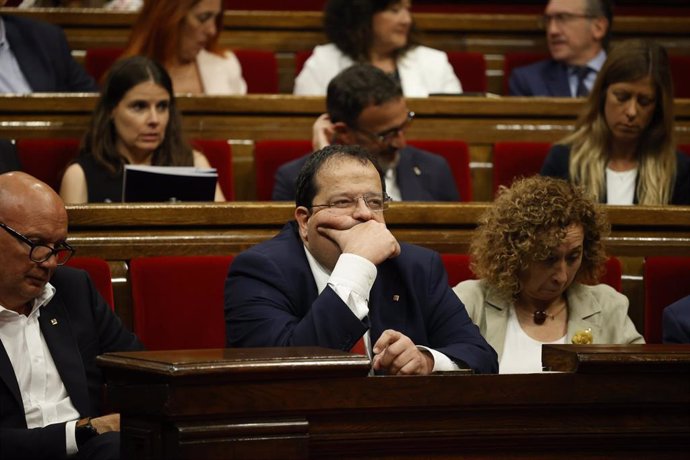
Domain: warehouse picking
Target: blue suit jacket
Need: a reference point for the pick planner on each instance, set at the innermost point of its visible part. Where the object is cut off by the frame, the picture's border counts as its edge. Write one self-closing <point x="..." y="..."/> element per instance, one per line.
<point x="86" y="327"/>
<point x="271" y="300"/>
<point x="676" y="322"/>
<point x="543" y="78"/>
<point x="421" y="176"/>
<point x="44" y="56"/>
<point x="557" y="164"/>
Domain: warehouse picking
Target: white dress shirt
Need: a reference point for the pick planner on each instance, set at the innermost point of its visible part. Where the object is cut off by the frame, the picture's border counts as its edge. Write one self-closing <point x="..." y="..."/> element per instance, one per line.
<point x="44" y="396"/>
<point x="595" y="65"/>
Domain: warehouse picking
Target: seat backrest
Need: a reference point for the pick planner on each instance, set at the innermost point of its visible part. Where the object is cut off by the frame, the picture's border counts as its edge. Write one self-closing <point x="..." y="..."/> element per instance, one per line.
<point x="517" y="159"/>
<point x="666" y="279"/>
<point x="97" y="61"/>
<point x="99" y="271"/>
<point x="685" y="148"/>
<point x="259" y="70"/>
<point x="470" y="68"/>
<point x="457" y="154"/>
<point x="47" y="159"/>
<point x="219" y="154"/>
<point x="518" y="59"/>
<point x="300" y="58"/>
<point x="178" y="301"/>
<point x="457" y="267"/>
<point x="613" y="274"/>
<point x="680" y="73"/>
<point x="269" y="155"/>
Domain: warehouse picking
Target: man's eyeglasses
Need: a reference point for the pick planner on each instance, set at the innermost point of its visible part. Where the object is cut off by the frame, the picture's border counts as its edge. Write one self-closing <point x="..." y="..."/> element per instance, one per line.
<point x="41" y="252"/>
<point x="385" y="137"/>
<point x="375" y="202"/>
<point x="561" y="19"/>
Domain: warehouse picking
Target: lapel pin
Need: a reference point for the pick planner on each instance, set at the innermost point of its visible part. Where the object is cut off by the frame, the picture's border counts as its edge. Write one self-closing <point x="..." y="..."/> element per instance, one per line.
<point x="53" y="322"/>
<point x="396" y="297"/>
<point x="417" y="171"/>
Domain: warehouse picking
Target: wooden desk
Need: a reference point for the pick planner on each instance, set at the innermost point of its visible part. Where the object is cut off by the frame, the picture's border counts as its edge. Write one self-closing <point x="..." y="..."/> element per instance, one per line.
<point x="318" y="403"/>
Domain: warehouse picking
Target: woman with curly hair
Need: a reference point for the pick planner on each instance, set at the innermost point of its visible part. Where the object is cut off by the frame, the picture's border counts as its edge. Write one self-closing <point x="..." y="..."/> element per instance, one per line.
<point x="623" y="150"/>
<point x="183" y="36"/>
<point x="377" y="32"/>
<point x="536" y="252"/>
<point x="135" y="121"/>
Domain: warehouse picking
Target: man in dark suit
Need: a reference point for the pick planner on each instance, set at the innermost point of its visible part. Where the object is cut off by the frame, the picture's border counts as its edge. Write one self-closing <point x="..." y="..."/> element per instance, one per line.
<point x="9" y="161"/>
<point x="53" y="324"/>
<point x="577" y="33"/>
<point x="336" y="275"/>
<point x="676" y="322"/>
<point x="35" y="57"/>
<point x="366" y="107"/>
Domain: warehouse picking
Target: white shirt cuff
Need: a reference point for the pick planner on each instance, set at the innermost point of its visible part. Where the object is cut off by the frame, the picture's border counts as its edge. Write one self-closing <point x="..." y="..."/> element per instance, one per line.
<point x="352" y="279"/>
<point x="70" y="438"/>
<point x="441" y="361"/>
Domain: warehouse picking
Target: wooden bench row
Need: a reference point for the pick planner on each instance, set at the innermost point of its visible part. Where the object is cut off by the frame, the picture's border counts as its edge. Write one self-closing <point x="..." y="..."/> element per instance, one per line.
<point x="244" y="119"/>
<point x="118" y="233"/>
<point x="287" y="32"/>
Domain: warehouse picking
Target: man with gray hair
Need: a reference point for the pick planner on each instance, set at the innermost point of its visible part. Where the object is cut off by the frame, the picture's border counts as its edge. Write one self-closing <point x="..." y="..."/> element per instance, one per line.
<point x="577" y="33"/>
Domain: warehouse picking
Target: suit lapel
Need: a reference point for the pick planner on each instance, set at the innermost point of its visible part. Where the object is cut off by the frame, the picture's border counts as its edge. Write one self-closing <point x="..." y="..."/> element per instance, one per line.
<point x="7" y="375"/>
<point x="583" y="310"/>
<point x="496" y="321"/>
<point x="408" y="173"/>
<point x="57" y="331"/>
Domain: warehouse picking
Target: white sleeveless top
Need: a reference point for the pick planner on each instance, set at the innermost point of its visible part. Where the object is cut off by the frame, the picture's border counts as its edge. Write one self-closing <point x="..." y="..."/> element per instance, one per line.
<point x="521" y="353"/>
<point x="620" y="186"/>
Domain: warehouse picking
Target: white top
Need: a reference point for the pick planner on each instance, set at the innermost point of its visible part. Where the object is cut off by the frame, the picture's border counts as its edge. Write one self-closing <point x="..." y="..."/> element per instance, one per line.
<point x="422" y="70"/>
<point x="220" y="74"/>
<point x="620" y="186"/>
<point x="521" y="353"/>
<point x="44" y="396"/>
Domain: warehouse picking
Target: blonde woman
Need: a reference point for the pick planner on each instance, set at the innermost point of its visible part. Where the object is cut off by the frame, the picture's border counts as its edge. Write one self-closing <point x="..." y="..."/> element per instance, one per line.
<point x="623" y="149"/>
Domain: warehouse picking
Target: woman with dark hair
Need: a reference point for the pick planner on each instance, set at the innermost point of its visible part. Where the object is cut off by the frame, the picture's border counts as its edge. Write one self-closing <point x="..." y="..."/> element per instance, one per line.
<point x="381" y="33"/>
<point x="538" y="252"/>
<point x="136" y="121"/>
<point x="183" y="36"/>
<point x="623" y="149"/>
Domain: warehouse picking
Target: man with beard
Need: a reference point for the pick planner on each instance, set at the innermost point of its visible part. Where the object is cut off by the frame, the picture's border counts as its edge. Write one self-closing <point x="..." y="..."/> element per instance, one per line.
<point x="366" y="107"/>
<point x="577" y="33"/>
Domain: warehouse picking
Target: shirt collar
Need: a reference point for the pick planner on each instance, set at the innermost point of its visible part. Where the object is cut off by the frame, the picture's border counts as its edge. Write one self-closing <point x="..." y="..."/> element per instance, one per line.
<point x="43" y="298"/>
<point x="321" y="274"/>
<point x="596" y="63"/>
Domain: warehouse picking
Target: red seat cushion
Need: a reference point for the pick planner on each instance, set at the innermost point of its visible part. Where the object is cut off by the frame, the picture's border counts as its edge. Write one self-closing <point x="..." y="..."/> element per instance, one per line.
<point x="457" y="268"/>
<point x="219" y="155"/>
<point x="517" y="59"/>
<point x="457" y="154"/>
<point x="470" y="68"/>
<point x="517" y="159"/>
<point x="259" y="70"/>
<point x="666" y="279"/>
<point x="47" y="159"/>
<point x="269" y="155"/>
<point x="99" y="271"/>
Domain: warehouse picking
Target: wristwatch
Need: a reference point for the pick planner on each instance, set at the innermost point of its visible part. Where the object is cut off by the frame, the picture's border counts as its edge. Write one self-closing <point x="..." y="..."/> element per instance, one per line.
<point x="84" y="431"/>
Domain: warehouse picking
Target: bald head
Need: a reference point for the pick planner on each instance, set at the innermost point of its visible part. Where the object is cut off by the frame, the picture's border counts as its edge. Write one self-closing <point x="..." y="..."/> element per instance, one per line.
<point x="23" y="196"/>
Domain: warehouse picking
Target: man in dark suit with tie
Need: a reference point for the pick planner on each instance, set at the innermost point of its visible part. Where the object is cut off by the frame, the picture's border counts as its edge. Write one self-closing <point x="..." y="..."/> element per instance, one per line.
<point x="35" y="57"/>
<point x="366" y="107"/>
<point x="53" y="324"/>
<point x="577" y="33"/>
<point x="336" y="275"/>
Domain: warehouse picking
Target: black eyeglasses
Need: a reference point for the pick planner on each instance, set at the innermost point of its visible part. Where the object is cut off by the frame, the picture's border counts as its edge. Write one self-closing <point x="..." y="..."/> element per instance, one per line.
<point x="385" y="137"/>
<point x="41" y="252"/>
<point x="561" y="19"/>
<point x="375" y="202"/>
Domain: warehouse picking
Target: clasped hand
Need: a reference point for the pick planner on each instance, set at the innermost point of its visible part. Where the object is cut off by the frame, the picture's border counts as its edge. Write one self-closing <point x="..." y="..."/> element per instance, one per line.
<point x="396" y="354"/>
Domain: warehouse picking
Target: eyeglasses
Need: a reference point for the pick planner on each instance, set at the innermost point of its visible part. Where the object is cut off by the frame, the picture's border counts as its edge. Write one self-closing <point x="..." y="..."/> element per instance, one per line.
<point x="375" y="202"/>
<point x="41" y="252"/>
<point x="561" y="19"/>
<point x="385" y="137"/>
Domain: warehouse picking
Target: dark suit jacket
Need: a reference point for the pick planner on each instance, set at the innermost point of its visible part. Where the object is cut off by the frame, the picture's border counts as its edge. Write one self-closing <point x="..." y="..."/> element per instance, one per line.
<point x="44" y="56"/>
<point x="86" y="327"/>
<point x="421" y="176"/>
<point x="557" y="164"/>
<point x="676" y="322"/>
<point x="271" y="300"/>
<point x="543" y="78"/>
<point x="9" y="161"/>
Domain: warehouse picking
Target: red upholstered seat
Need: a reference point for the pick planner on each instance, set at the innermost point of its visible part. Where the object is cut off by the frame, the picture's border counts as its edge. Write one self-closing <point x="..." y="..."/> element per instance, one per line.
<point x="219" y="155"/>
<point x="457" y="155"/>
<point x="178" y="301"/>
<point x="517" y="159"/>
<point x="518" y="59"/>
<point x="47" y="159"/>
<point x="613" y="276"/>
<point x="269" y="155"/>
<point x="97" y="61"/>
<point x="259" y="70"/>
<point x="457" y="267"/>
<point x="685" y="148"/>
<point x="470" y="68"/>
<point x="300" y="58"/>
<point x="99" y="271"/>
<point x="666" y="279"/>
<point x="680" y="72"/>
